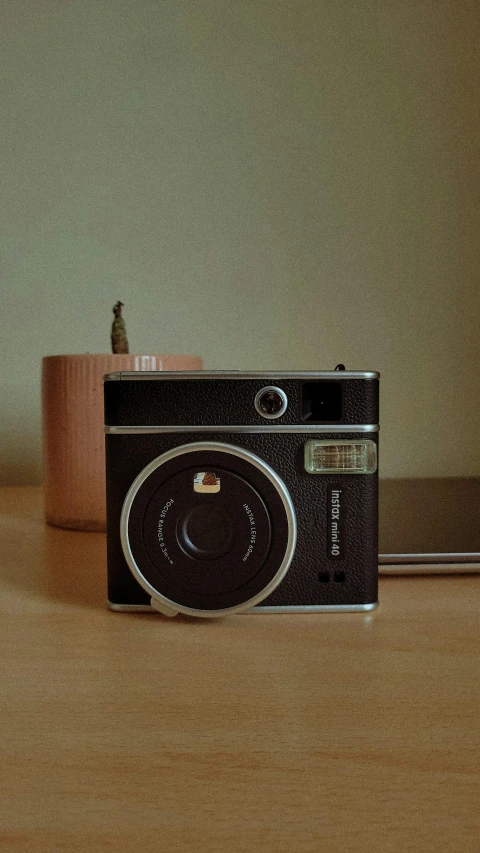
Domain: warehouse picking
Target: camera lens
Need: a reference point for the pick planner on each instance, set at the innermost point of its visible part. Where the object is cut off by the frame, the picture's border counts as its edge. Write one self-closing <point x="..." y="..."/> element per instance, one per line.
<point x="271" y="402"/>
<point x="205" y="532"/>
<point x="207" y="542"/>
<point x="209" y="527"/>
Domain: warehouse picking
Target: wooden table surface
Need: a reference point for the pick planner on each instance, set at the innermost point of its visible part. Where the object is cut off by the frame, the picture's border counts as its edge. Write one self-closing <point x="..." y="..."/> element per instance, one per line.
<point x="326" y="732"/>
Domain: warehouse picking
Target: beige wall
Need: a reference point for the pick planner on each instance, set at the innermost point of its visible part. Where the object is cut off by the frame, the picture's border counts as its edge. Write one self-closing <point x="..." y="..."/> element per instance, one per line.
<point x="269" y="184"/>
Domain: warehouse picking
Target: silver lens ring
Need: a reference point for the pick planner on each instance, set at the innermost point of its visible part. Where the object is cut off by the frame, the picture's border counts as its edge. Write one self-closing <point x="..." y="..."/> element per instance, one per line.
<point x="229" y="449"/>
<point x="282" y="398"/>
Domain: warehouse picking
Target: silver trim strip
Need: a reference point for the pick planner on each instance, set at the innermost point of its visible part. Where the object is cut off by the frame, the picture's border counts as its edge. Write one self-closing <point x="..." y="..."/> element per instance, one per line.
<point x="316" y="608"/>
<point x="234" y="374"/>
<point x="431" y="569"/>
<point x="321" y="608"/>
<point x="214" y="446"/>
<point x="241" y="428"/>
<point x="401" y="559"/>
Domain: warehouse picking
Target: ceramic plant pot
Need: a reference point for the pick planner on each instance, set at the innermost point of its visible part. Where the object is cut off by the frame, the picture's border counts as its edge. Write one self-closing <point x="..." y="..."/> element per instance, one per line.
<point x="73" y="439"/>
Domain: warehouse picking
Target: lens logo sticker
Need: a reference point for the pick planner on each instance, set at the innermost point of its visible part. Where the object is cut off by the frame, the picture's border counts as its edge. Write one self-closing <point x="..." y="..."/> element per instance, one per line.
<point x="206" y="481"/>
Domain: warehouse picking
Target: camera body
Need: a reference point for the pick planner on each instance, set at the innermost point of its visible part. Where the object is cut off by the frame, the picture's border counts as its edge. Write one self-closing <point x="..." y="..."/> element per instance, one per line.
<point x="242" y="491"/>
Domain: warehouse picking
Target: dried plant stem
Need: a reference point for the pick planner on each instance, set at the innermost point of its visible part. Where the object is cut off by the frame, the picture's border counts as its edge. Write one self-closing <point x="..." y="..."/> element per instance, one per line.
<point x="119" y="331"/>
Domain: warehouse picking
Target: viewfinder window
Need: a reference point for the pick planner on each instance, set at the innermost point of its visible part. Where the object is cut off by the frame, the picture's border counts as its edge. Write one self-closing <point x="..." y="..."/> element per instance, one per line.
<point x="321" y="402"/>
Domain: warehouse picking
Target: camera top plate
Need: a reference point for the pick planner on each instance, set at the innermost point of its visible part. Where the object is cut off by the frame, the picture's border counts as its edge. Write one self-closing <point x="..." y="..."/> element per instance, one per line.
<point x="199" y="398"/>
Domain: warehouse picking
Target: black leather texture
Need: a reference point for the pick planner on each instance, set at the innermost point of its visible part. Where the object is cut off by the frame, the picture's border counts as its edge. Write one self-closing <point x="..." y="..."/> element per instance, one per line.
<point x="313" y="578"/>
<point x="195" y="402"/>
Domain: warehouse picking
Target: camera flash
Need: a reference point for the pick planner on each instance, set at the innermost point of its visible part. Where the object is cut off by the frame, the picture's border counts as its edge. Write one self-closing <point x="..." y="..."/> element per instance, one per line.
<point x="340" y="457"/>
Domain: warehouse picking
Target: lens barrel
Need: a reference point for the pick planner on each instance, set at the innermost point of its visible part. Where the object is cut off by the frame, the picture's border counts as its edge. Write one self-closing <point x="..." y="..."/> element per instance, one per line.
<point x="208" y="543"/>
